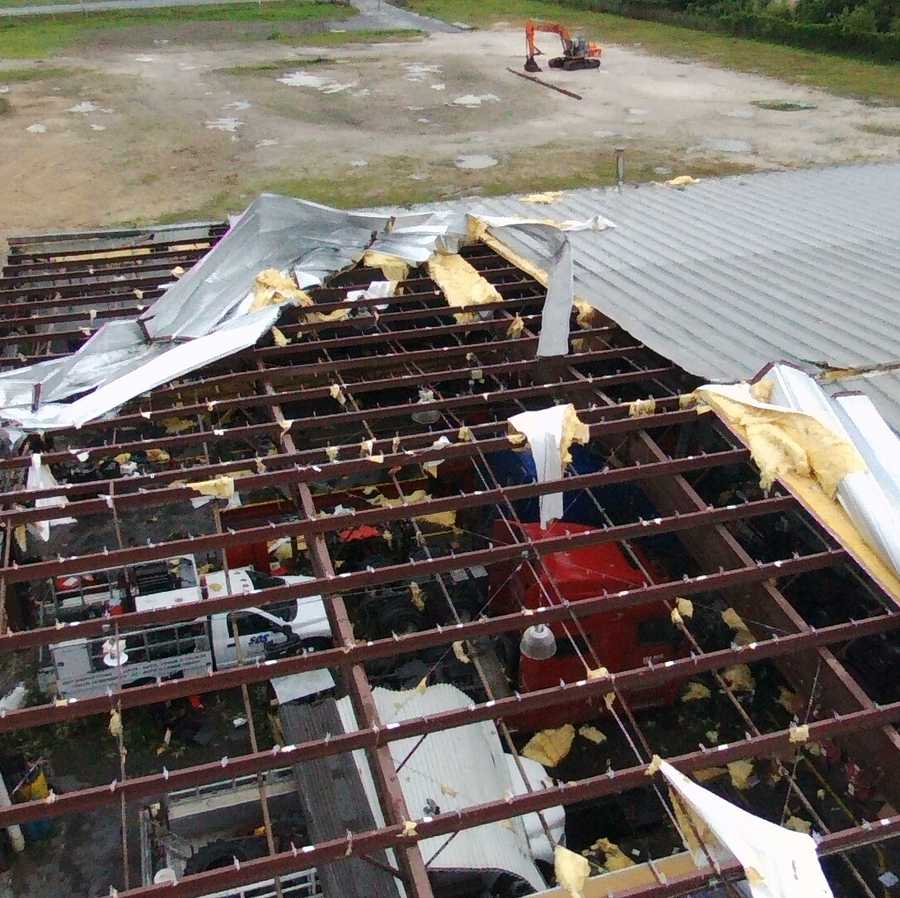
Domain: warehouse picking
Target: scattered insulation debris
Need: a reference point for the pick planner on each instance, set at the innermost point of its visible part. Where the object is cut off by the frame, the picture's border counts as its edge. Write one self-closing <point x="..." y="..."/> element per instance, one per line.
<point x="392" y="267"/>
<point x="571" y="870"/>
<point x="273" y="287"/>
<point x="695" y="692"/>
<point x="742" y="635"/>
<point x="613" y="856"/>
<point x="549" y="747"/>
<point x="740" y="772"/>
<point x="641" y="407"/>
<point x="739" y="678"/>
<point x="592" y="734"/>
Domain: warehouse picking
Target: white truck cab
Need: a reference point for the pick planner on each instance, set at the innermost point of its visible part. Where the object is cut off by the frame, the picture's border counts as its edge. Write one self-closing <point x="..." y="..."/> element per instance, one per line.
<point x="85" y="667"/>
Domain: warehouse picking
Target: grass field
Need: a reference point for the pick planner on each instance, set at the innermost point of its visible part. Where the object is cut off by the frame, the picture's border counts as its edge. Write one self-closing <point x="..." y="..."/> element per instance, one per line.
<point x="42" y="36"/>
<point x="388" y="182"/>
<point x="837" y="74"/>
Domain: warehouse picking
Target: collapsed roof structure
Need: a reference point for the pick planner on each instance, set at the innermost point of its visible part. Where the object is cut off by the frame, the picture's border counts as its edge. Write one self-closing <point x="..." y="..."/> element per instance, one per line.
<point x="357" y="394"/>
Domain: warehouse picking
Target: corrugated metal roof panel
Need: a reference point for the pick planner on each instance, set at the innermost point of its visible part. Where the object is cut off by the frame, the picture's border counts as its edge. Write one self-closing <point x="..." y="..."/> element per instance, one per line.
<point x="729" y="274"/>
<point x="452" y="769"/>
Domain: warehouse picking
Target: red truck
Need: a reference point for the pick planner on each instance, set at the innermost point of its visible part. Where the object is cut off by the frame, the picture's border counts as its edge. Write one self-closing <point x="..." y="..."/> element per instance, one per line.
<point x="621" y="640"/>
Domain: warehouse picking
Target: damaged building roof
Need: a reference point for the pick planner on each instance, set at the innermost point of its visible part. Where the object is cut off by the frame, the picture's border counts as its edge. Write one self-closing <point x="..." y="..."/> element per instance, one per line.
<point x="372" y="445"/>
<point x="729" y="274"/>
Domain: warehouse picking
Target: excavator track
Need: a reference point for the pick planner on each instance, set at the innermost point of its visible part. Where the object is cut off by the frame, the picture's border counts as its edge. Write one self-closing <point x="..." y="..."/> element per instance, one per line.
<point x="571" y="63"/>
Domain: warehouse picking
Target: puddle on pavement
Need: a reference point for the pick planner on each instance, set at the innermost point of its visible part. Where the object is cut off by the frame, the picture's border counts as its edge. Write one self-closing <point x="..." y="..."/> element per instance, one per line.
<point x="473" y="101"/>
<point x="475" y="161"/>
<point x="727" y="145"/>
<point x="224" y="124"/>
<point x="319" y="82"/>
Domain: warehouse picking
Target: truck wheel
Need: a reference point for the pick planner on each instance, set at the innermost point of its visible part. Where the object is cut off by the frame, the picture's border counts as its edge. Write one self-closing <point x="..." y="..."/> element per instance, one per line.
<point x="509" y="886"/>
<point x="222" y="854"/>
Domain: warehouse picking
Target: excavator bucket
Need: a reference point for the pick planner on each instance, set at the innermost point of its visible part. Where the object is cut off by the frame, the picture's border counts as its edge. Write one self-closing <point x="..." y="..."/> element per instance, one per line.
<point x="531" y="65"/>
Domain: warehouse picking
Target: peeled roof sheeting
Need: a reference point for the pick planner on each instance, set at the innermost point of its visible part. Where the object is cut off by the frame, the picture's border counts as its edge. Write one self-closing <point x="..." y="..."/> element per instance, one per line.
<point x="729" y="274"/>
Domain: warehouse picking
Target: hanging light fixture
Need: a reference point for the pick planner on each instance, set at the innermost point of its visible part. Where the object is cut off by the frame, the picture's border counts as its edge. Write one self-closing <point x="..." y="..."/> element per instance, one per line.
<point x="538" y="643"/>
<point x="428" y="416"/>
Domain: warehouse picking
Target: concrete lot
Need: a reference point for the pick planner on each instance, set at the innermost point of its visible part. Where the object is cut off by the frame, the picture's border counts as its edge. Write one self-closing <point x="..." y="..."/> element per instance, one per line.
<point x="162" y="126"/>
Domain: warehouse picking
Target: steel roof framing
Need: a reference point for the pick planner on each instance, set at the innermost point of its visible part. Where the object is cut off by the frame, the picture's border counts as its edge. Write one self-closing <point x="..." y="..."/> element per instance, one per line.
<point x="284" y="403"/>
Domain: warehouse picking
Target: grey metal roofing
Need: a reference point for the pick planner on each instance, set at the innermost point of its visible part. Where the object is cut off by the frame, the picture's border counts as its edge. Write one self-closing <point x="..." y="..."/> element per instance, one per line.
<point x="882" y="388"/>
<point x="729" y="274"/>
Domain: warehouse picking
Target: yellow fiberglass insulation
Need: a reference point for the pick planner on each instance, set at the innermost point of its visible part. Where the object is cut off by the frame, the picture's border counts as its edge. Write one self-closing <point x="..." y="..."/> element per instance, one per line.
<point x="615" y="858"/>
<point x="549" y="747"/>
<point x="271" y="288"/>
<point x="392" y="267"/>
<point x="461" y="284"/>
<point x="785" y="442"/>
<point x="571" y="870"/>
<point x="574" y="430"/>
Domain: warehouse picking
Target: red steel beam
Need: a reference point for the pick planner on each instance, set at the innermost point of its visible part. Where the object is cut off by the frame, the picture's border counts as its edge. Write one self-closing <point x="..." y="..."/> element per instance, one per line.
<point x="138" y="419"/>
<point x="252" y="482"/>
<point x="401" y="410"/>
<point x="611" y="783"/>
<point x="143" y="695"/>
<point x="586" y="691"/>
<point x="366" y="363"/>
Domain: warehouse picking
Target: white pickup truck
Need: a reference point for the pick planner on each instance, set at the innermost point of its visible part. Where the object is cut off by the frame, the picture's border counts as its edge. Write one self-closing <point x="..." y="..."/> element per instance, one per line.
<point x="80" y="668"/>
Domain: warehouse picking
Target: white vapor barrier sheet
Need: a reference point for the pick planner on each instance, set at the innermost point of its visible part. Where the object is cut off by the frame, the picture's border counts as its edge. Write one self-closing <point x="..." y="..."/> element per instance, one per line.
<point x="375" y="290"/>
<point x="869" y="497"/>
<point x="543" y="430"/>
<point x="778" y="862"/>
<point x="205" y="316"/>
<point x="40" y="477"/>
<point x="453" y="769"/>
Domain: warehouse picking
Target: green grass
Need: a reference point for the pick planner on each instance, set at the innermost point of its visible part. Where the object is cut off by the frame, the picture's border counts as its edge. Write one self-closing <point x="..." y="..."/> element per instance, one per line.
<point x="837" y="74"/>
<point x="782" y="105"/>
<point x="388" y="181"/>
<point x="881" y="130"/>
<point x="36" y="73"/>
<point x="40" y="36"/>
<point x="276" y="65"/>
<point x="362" y="36"/>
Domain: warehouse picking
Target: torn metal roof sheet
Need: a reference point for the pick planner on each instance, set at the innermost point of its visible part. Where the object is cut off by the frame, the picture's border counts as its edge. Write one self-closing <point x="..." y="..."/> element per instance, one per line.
<point x="727" y="275"/>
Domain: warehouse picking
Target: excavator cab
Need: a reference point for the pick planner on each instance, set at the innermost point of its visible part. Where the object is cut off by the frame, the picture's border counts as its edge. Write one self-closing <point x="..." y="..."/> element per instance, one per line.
<point x="578" y="52"/>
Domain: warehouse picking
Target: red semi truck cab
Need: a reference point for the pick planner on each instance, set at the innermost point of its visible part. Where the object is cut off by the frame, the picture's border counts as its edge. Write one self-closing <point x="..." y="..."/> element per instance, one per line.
<point x="619" y="640"/>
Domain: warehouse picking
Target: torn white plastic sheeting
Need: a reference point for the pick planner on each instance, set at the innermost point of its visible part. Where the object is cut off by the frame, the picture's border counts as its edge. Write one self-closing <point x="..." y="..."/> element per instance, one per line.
<point x="777" y="862"/>
<point x="375" y="290"/>
<point x="545" y="431"/>
<point x="302" y="685"/>
<point x="40" y="477"/>
<point x="869" y="497"/>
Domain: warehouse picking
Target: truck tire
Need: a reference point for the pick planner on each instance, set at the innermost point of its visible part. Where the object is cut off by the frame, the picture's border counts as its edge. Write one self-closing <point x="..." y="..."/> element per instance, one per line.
<point x="222" y="854"/>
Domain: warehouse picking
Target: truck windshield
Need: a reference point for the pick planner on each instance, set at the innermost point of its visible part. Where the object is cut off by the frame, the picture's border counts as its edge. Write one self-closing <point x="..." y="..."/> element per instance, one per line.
<point x="251" y="622"/>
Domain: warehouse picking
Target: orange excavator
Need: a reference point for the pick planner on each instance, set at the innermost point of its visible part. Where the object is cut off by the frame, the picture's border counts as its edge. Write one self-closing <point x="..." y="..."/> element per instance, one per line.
<point x="578" y="53"/>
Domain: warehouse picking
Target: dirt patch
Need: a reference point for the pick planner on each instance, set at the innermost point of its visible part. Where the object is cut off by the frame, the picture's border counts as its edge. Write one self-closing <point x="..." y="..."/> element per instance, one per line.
<point x="190" y="121"/>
